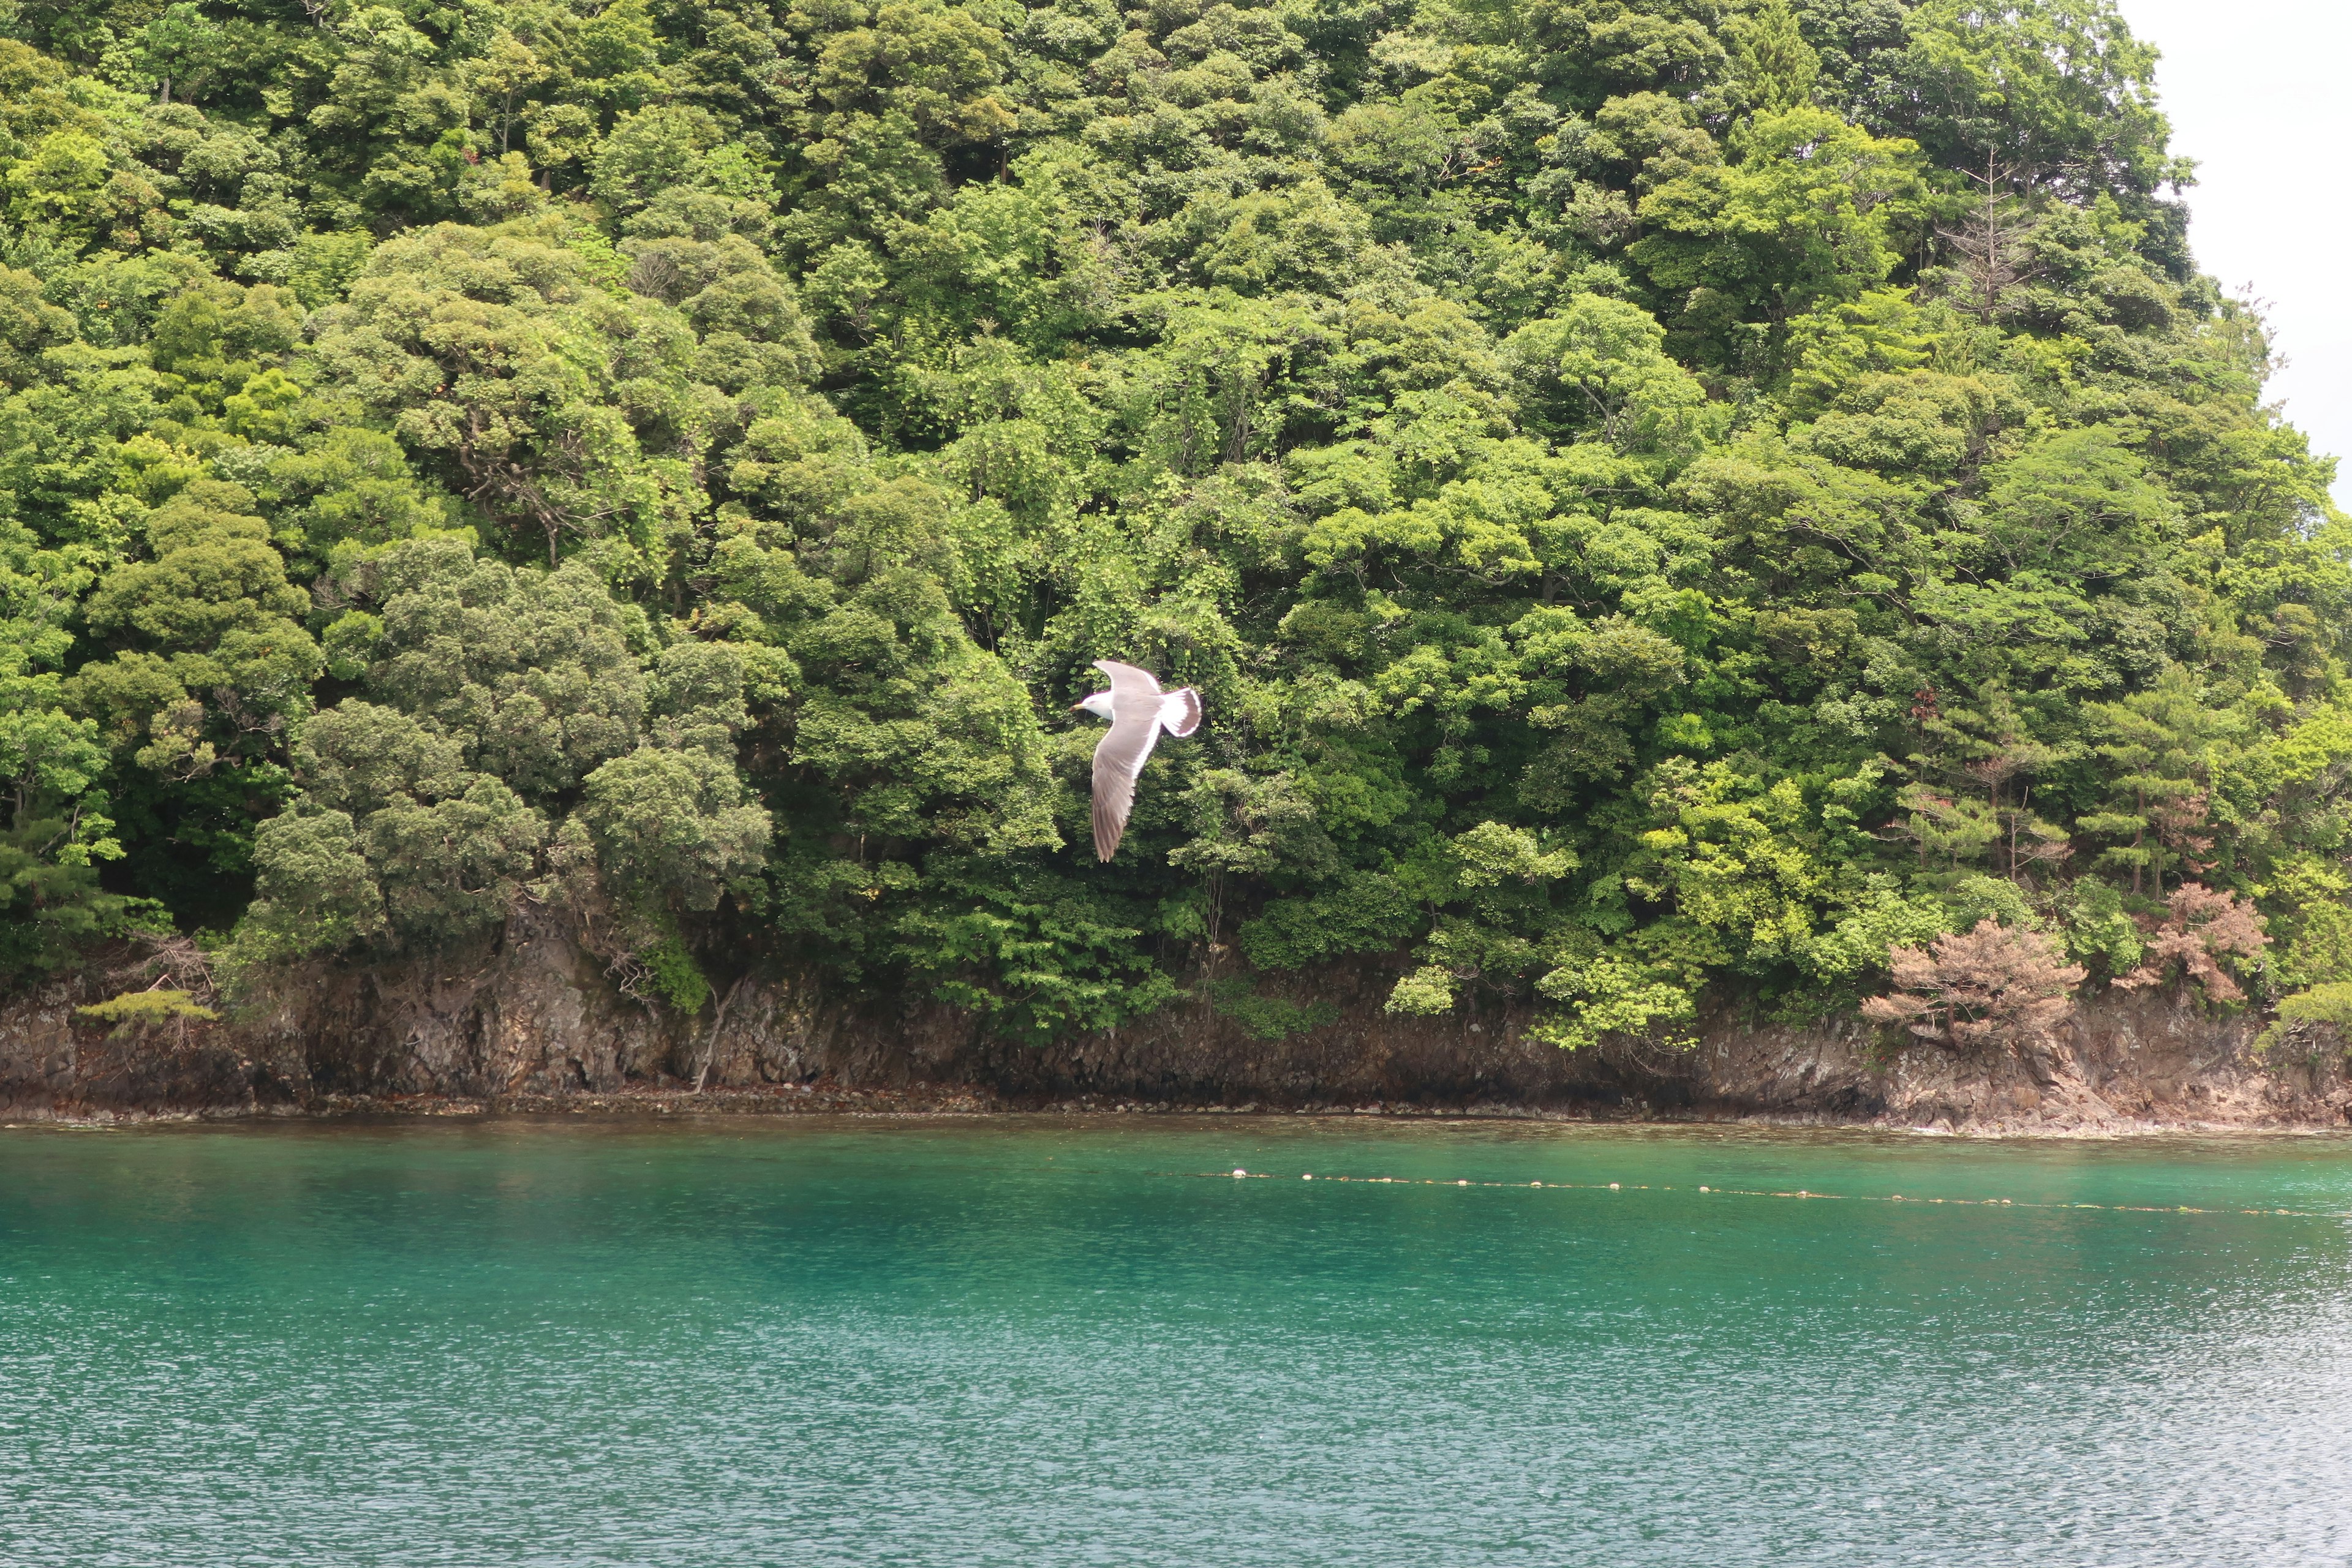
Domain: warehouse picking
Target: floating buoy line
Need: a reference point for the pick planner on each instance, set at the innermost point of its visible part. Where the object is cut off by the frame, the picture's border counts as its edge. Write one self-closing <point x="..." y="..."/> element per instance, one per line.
<point x="1802" y="1193"/>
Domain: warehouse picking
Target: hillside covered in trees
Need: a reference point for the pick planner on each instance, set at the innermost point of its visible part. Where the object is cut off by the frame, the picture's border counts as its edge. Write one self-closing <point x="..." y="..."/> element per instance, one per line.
<point x="1670" y="504"/>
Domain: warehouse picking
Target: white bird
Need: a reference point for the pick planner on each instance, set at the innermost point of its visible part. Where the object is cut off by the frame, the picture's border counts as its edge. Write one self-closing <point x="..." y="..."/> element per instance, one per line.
<point x="1138" y="711"/>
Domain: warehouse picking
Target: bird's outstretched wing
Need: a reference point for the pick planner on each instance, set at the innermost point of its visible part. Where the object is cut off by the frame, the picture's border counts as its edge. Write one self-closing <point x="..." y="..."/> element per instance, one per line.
<point x="1135" y="701"/>
<point x="1130" y="687"/>
<point x="1119" y="758"/>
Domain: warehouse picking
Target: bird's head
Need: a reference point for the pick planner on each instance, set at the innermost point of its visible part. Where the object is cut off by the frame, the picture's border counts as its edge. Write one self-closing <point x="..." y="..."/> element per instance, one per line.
<point x="1097" y="704"/>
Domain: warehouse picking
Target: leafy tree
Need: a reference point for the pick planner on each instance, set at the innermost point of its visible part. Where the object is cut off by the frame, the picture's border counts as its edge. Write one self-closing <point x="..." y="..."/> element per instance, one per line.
<point x="1991" y="983"/>
<point x="495" y="353"/>
<point x="392" y="835"/>
<point x="2202" y="926"/>
<point x="670" y="822"/>
<point x="210" y="673"/>
<point x="529" y="672"/>
<point x="1813" y="214"/>
<point x="57" y="830"/>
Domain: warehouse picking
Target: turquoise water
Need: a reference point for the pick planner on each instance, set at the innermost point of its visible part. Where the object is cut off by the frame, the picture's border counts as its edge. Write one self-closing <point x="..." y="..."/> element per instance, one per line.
<point x="1047" y="1342"/>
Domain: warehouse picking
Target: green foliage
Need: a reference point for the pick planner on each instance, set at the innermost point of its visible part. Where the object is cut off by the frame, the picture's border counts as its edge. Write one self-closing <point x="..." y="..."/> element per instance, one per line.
<point x="501" y="356"/>
<point x="2329" y="1004"/>
<point x="135" y="1010"/>
<point x="672" y="825"/>
<point x="1813" y="214"/>
<point x="2309" y="902"/>
<point x="317" y="891"/>
<point x="1607" y="996"/>
<point x="55" y="829"/>
<point x="676" y="975"/>
<point x="1265" y="1017"/>
<point x="529" y="672"/>
<point x="673" y="466"/>
<point x="2099" y="929"/>
<point x="1033" y="957"/>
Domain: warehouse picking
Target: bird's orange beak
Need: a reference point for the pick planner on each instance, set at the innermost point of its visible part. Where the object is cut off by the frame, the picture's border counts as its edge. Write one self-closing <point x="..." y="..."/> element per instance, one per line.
<point x="1077" y="707"/>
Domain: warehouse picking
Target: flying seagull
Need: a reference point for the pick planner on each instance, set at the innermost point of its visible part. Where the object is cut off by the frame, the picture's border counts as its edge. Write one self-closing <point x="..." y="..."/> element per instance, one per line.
<point x="1138" y="711"/>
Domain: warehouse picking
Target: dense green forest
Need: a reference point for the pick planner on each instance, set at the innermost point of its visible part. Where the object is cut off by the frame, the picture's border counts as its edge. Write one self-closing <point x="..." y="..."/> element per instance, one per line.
<point x="1668" y="502"/>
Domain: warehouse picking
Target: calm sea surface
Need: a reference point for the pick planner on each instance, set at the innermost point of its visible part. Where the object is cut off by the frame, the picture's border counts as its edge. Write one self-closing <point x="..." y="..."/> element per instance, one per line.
<point x="1054" y="1343"/>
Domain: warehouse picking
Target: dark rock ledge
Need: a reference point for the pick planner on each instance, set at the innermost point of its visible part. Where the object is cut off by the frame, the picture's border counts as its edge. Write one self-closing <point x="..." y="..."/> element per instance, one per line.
<point x="533" y="1025"/>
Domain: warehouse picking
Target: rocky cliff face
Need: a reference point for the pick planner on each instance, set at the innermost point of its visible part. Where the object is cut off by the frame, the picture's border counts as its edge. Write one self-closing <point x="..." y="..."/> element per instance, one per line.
<point x="534" y="1022"/>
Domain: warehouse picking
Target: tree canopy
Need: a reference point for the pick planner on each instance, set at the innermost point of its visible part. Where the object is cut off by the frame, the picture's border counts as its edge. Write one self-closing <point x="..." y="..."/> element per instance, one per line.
<point x="1668" y="502"/>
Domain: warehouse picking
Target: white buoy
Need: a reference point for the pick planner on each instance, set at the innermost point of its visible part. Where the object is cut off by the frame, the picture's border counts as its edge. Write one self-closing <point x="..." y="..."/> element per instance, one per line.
<point x="1613" y="1187"/>
<point x="1705" y="1189"/>
<point x="1239" y="1172"/>
<point x="1307" y="1178"/>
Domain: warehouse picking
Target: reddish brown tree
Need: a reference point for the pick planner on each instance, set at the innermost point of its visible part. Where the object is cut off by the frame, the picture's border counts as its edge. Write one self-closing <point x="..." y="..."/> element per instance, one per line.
<point x="2205" y="926"/>
<point x="1973" y="987"/>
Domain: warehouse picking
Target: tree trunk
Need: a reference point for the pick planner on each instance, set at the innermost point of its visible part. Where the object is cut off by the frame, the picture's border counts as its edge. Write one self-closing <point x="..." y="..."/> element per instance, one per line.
<point x="710" y="1047"/>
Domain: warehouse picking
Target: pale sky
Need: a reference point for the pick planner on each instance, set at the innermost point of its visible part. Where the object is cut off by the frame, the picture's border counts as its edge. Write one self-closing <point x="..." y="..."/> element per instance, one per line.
<point x="2255" y="90"/>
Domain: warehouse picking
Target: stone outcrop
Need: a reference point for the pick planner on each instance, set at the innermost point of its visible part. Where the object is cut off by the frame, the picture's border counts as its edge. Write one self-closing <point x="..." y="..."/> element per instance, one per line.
<point x="534" y="1022"/>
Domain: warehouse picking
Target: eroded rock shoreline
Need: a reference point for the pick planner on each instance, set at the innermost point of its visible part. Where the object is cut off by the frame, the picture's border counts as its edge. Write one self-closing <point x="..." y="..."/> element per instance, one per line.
<point x="533" y="1025"/>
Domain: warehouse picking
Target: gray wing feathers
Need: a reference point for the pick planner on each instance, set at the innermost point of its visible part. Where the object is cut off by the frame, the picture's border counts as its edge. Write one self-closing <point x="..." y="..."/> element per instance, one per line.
<point x="1119" y="758"/>
<point x="1130" y="687"/>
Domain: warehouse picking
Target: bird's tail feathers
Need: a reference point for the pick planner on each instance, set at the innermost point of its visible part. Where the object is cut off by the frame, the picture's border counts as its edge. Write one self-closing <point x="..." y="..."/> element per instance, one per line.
<point x="1179" y="711"/>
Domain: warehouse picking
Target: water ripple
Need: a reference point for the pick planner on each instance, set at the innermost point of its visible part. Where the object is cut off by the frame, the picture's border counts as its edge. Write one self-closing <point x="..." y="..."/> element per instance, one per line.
<point x="1019" y="1343"/>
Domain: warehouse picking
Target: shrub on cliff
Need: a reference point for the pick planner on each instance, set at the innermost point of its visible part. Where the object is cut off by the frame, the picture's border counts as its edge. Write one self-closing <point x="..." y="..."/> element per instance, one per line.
<point x="1989" y="985"/>
<point x="2203" y="927"/>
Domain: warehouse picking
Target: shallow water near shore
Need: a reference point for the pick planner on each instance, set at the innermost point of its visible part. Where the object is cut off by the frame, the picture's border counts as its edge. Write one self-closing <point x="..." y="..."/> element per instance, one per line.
<point x="1030" y="1341"/>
